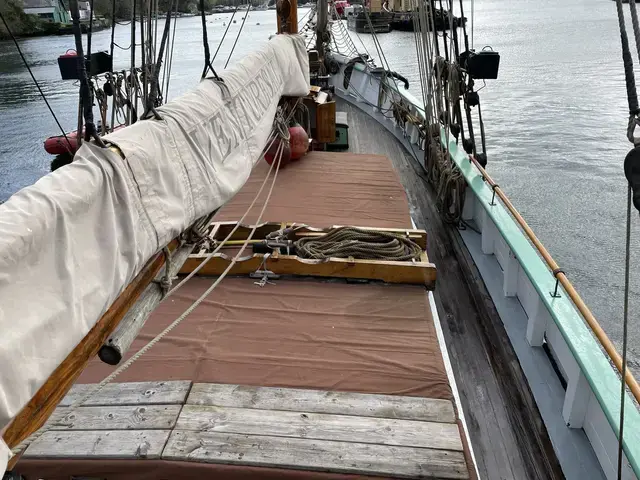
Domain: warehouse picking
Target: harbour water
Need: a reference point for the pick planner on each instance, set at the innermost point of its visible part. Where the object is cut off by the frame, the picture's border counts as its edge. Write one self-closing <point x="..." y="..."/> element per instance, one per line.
<point x="555" y="122"/>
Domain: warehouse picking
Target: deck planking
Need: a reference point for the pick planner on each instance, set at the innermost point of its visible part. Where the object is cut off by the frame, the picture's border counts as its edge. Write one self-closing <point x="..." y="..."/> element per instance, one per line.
<point x="315" y="455"/>
<point x="319" y="401"/>
<point x="320" y="426"/>
<point x="310" y="430"/>
<point x="507" y="433"/>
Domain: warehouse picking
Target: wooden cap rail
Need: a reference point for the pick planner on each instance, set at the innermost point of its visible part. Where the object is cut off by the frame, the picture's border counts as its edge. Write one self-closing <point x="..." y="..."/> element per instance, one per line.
<point x="566" y="284"/>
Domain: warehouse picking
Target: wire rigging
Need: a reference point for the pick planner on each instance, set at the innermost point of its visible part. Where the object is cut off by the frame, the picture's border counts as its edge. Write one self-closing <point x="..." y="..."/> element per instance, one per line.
<point x="208" y="66"/>
<point x="244" y="19"/>
<point x="631" y="170"/>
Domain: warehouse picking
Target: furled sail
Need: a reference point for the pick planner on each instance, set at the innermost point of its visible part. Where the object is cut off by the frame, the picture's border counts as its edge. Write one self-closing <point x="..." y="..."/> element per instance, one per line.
<point x="70" y="243"/>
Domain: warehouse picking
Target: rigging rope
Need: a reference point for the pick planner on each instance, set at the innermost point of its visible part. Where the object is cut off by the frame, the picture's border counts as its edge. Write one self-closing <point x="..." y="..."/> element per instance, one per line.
<point x="625" y="333"/>
<point x="224" y="35"/>
<point x="244" y="19"/>
<point x="632" y="96"/>
<point x="155" y="97"/>
<point x="86" y="95"/>
<point x="26" y="64"/>
<point x="169" y="61"/>
<point x="351" y="242"/>
<point x="205" y="41"/>
<point x="632" y="99"/>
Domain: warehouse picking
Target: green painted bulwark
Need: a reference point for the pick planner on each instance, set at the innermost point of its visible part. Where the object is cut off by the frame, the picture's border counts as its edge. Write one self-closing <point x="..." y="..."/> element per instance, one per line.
<point x="604" y="380"/>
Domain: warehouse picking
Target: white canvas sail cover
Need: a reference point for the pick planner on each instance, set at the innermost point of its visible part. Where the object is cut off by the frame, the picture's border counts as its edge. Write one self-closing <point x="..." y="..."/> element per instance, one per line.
<point x="70" y="243"/>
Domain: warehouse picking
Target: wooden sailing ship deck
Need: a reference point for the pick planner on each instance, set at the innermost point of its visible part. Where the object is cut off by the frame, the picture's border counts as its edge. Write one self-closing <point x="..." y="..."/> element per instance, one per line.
<point x="307" y="375"/>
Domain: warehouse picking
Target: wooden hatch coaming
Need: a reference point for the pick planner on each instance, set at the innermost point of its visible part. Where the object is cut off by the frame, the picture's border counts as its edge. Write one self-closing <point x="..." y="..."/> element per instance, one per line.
<point x="311" y="430"/>
<point x="420" y="272"/>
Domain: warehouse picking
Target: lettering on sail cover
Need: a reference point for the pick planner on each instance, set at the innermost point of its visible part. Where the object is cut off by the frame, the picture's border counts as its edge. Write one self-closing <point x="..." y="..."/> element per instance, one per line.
<point x="237" y="120"/>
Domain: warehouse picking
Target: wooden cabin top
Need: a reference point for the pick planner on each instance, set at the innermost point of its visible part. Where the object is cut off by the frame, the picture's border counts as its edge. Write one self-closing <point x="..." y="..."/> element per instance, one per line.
<point x="305" y="375"/>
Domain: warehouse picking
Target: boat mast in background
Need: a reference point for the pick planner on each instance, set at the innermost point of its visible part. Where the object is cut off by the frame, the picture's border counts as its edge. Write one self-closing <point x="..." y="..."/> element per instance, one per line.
<point x="321" y="26"/>
<point x="287" y="11"/>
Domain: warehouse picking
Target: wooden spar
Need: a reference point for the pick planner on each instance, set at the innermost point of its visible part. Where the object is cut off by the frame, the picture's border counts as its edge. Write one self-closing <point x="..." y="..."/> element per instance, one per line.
<point x="591" y="320"/>
<point x="287" y="11"/>
<point x="44" y="402"/>
<point x="120" y="340"/>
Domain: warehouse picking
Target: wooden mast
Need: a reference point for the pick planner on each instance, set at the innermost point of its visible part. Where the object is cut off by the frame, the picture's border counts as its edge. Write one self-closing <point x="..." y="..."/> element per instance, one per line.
<point x="287" y="11"/>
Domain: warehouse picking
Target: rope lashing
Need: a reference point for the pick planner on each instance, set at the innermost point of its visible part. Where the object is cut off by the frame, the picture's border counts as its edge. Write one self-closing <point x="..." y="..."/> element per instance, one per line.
<point x="166" y="281"/>
<point x="351" y="242"/>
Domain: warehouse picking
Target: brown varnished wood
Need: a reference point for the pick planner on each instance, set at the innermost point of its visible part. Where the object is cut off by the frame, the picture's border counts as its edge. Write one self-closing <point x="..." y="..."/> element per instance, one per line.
<point x="416" y="273"/>
<point x="44" y="402"/>
<point x="287" y="11"/>
<point x="326" y="122"/>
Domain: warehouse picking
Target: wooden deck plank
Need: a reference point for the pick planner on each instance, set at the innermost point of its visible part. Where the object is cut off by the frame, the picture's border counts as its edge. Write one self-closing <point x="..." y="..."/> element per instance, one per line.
<point x="132" y="393"/>
<point x="319" y="401"/>
<point x="319" y="426"/>
<point x="99" y="444"/>
<point x="314" y="455"/>
<point x="116" y="417"/>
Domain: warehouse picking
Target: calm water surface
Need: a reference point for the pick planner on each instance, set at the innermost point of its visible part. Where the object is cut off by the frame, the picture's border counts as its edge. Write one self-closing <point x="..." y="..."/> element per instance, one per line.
<point x="555" y="123"/>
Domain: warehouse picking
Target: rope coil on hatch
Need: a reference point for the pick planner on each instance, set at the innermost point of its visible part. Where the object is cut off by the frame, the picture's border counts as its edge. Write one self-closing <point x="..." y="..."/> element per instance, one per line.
<point x="347" y="242"/>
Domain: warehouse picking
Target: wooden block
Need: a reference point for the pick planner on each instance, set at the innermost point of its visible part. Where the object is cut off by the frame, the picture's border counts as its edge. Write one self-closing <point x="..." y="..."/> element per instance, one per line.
<point x="314" y="455"/>
<point x="326" y="122"/>
<point x="319" y="401"/>
<point x="132" y="393"/>
<point x="413" y="273"/>
<point x="110" y="417"/>
<point x="321" y="426"/>
<point x="102" y="444"/>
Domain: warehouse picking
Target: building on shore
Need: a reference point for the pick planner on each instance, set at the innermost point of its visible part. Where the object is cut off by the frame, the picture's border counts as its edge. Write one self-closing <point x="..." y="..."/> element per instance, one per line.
<point x="47" y="10"/>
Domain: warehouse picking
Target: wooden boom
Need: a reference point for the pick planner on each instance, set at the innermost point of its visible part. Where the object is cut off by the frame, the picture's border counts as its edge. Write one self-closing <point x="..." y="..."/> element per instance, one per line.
<point x="44" y="402"/>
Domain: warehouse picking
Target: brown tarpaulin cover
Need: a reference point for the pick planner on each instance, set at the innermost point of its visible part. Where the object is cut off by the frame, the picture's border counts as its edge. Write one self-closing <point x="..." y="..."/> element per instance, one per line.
<point x="299" y="333"/>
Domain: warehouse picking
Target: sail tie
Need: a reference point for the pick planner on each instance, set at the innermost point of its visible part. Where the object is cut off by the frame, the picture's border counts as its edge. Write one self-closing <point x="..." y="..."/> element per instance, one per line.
<point x="165" y="282"/>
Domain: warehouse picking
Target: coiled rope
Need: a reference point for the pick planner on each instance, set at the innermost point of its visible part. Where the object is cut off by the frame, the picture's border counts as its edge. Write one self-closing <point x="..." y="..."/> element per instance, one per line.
<point x="346" y="242"/>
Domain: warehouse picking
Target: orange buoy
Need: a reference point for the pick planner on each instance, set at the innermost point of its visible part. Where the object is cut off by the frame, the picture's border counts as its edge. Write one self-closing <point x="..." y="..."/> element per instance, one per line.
<point x="299" y="141"/>
<point x="271" y="153"/>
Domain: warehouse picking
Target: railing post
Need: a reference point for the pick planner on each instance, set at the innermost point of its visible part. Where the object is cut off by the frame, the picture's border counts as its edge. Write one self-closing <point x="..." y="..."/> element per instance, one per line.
<point x="510" y="280"/>
<point x="488" y="234"/>
<point x="576" y="398"/>
<point x="537" y="324"/>
<point x="468" y="209"/>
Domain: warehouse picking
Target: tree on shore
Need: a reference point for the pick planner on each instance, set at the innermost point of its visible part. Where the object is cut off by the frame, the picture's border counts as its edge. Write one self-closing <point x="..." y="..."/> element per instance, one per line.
<point x="18" y="21"/>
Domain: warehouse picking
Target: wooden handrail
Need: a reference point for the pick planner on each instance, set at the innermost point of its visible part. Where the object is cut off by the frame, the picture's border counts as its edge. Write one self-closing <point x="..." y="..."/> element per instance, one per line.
<point x="566" y="284"/>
